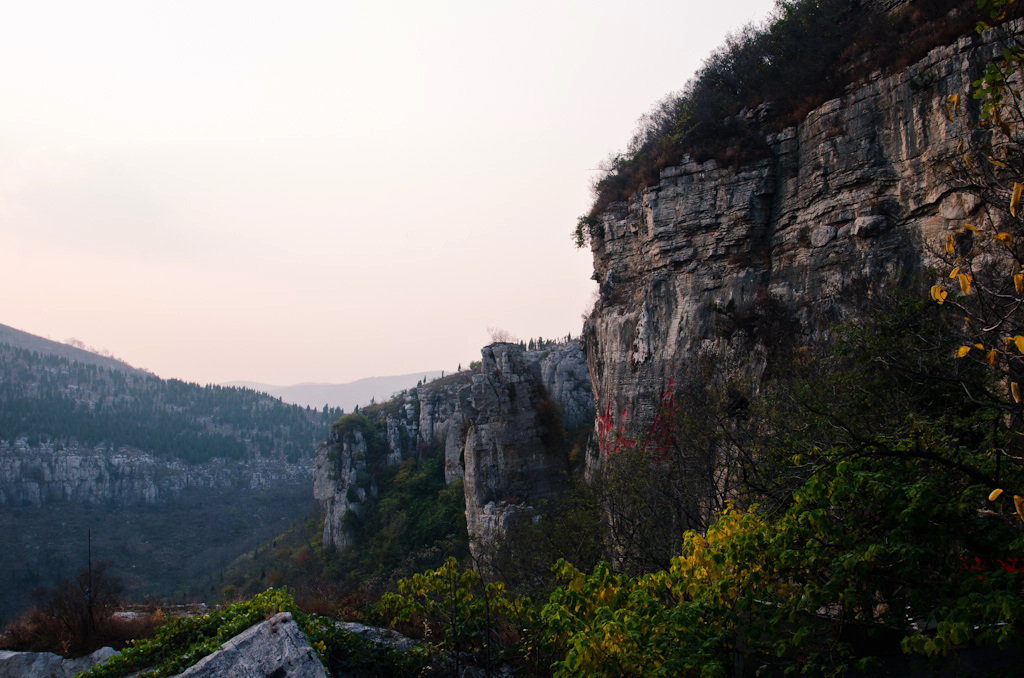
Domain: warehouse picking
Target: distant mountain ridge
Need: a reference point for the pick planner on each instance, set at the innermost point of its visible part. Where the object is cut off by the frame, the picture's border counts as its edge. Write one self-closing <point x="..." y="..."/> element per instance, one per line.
<point x="31" y="342"/>
<point x="346" y="395"/>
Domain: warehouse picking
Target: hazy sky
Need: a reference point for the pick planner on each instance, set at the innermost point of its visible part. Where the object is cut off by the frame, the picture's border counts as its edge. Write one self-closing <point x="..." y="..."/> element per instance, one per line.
<point x="317" y="191"/>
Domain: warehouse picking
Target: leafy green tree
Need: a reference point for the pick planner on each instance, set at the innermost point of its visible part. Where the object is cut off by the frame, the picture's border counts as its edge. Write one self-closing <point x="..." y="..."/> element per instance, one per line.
<point x="469" y="620"/>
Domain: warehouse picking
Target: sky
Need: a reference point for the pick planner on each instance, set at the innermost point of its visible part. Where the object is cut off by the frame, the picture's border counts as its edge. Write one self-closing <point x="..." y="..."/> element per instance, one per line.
<point x="318" y="191"/>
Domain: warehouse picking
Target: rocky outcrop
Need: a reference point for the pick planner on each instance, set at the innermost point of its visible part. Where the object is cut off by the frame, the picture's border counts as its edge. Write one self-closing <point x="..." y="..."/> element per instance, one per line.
<point x="497" y="427"/>
<point x="511" y="451"/>
<point x="47" y="664"/>
<point x="412" y="423"/>
<point x="276" y="647"/>
<point x="49" y="472"/>
<point x="563" y="373"/>
<point x="438" y="401"/>
<point x="338" y="483"/>
<point x="380" y="637"/>
<point x="713" y="269"/>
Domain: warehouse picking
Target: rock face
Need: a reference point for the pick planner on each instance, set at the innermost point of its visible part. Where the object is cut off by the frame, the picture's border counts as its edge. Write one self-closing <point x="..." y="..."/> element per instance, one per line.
<point x="48" y="472"/>
<point x="496" y="427"/>
<point x="563" y="373"/>
<point x="275" y="648"/>
<point x="142" y="508"/>
<point x="337" y="483"/>
<point x="413" y="422"/>
<point x="712" y="268"/>
<point x="511" y="450"/>
<point x="47" y="664"/>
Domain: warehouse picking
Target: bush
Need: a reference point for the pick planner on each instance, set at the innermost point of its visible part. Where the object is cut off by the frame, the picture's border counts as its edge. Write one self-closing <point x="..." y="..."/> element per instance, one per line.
<point x="181" y="642"/>
<point x="73" y="618"/>
<point x="467" y="620"/>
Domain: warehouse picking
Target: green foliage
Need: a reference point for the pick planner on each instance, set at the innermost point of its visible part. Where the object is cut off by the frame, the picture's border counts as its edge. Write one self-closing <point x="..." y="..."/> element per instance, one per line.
<point x="880" y="546"/>
<point x="874" y="471"/>
<point x="297" y="554"/>
<point x="683" y="621"/>
<point x="585" y="226"/>
<point x="371" y="430"/>
<point x="181" y="642"/>
<point x="413" y="521"/>
<point x="470" y="620"/>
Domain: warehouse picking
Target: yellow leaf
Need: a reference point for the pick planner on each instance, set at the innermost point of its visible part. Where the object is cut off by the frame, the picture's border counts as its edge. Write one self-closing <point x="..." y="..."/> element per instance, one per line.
<point x="950" y="243"/>
<point x="964" y="350"/>
<point x="1005" y="238"/>
<point x="992" y="358"/>
<point x="971" y="227"/>
<point x="997" y="163"/>
<point x="1018" y="503"/>
<point x="1018" y="282"/>
<point x="955" y="100"/>
<point x="1018" y="189"/>
<point x="1015" y="390"/>
<point x="1019" y="340"/>
<point x="965" y="283"/>
<point x="955" y="271"/>
<point x="994" y="495"/>
<point x="939" y="293"/>
<point x="981" y="346"/>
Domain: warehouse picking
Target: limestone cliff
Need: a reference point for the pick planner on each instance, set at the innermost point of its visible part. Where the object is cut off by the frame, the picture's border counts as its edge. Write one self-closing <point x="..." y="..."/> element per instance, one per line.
<point x="500" y="428"/>
<point x="414" y="422"/>
<point x="511" y="453"/>
<point x="712" y="268"/>
<point x="56" y="472"/>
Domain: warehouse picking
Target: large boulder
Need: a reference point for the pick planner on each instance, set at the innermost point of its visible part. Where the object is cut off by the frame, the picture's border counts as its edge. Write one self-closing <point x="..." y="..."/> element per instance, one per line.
<point x="277" y="648"/>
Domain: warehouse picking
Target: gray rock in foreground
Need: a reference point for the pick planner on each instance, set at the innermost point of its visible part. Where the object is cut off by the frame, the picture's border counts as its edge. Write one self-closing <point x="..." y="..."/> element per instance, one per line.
<point x="47" y="664"/>
<point x="274" y="649"/>
<point x="375" y="634"/>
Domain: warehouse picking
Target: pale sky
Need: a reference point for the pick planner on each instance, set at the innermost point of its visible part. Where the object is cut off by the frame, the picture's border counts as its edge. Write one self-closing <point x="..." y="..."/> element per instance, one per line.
<point x="317" y="191"/>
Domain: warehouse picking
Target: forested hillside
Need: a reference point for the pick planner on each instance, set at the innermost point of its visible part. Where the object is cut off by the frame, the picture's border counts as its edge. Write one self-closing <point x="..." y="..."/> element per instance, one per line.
<point x="49" y="397"/>
<point x="173" y="479"/>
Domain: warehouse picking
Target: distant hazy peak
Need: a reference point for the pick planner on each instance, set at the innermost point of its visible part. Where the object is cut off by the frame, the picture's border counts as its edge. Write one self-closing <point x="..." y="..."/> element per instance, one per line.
<point x="31" y="342"/>
<point x="346" y="395"/>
